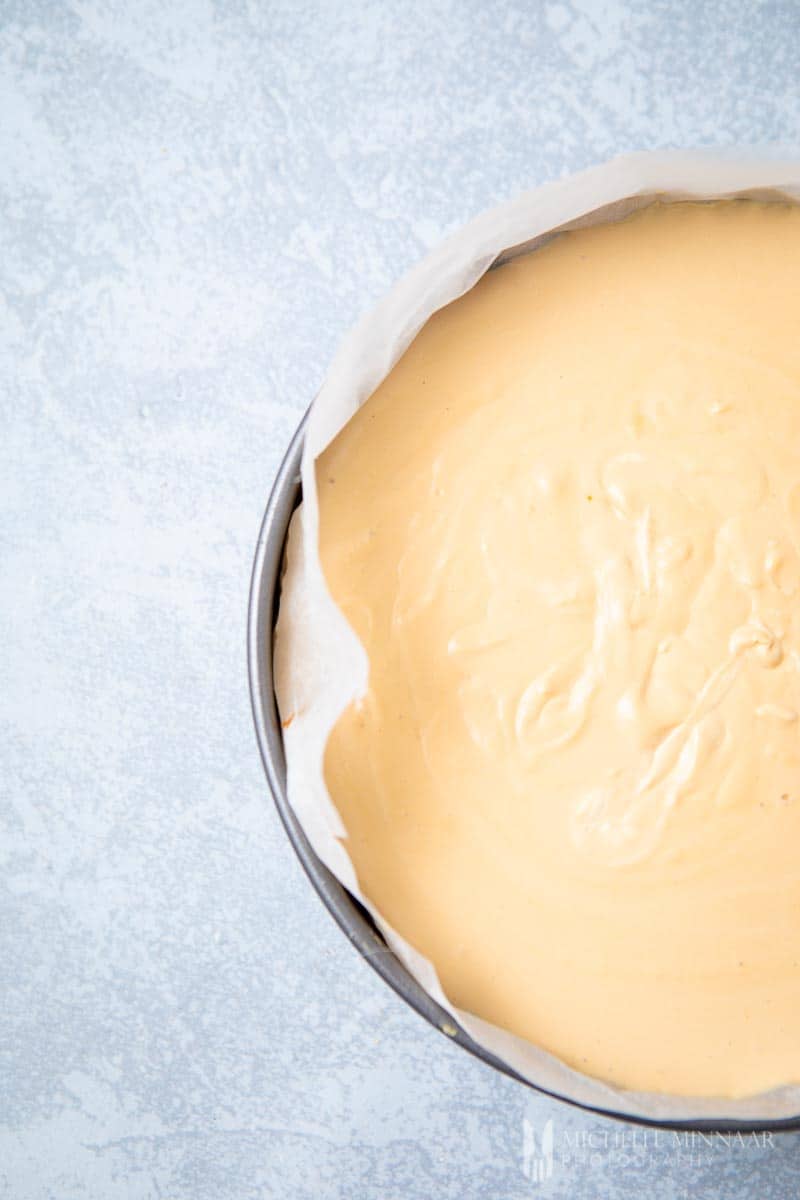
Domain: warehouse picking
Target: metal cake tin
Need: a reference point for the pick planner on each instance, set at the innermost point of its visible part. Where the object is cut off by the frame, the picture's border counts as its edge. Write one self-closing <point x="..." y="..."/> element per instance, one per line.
<point x="349" y="915"/>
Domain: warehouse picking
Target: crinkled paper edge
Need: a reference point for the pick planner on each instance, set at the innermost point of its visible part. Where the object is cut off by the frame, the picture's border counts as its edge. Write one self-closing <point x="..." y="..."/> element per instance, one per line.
<point x="320" y="666"/>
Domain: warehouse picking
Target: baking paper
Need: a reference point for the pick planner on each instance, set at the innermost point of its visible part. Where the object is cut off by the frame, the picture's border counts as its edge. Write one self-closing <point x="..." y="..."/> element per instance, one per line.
<point x="320" y="667"/>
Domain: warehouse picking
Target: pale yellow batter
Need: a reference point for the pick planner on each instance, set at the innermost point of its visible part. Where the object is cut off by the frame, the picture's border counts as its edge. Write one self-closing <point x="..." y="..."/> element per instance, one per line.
<point x="566" y="529"/>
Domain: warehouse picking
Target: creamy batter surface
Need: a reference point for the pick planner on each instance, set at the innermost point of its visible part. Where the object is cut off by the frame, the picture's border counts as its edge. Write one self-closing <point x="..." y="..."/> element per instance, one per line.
<point x="566" y="528"/>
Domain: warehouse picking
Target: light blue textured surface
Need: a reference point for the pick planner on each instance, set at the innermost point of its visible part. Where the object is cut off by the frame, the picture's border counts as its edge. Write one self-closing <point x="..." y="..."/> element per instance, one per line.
<point x="196" y="201"/>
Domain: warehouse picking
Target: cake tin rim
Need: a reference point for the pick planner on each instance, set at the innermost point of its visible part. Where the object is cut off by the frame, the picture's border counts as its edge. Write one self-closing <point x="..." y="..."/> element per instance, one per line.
<point x="351" y="918"/>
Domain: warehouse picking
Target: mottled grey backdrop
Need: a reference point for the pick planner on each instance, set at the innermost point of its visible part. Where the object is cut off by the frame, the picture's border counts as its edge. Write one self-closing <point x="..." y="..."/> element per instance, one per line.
<point x="196" y="201"/>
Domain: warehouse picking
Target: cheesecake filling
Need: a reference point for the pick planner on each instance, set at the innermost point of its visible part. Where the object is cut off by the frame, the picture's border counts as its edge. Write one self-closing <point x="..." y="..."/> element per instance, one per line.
<point x="566" y="529"/>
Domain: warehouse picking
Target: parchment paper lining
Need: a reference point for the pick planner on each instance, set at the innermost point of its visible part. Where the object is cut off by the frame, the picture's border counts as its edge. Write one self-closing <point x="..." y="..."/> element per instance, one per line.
<point x="320" y="666"/>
